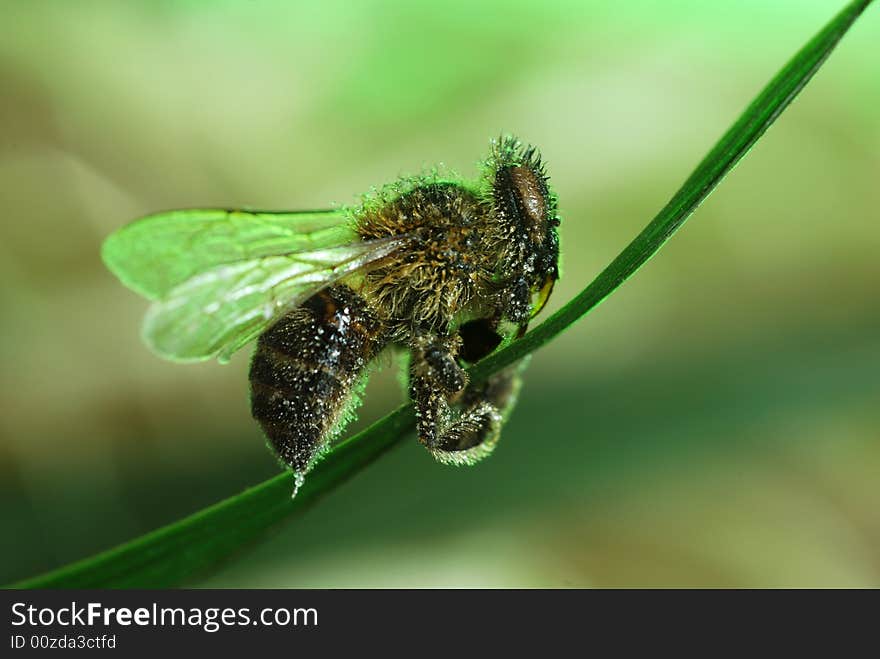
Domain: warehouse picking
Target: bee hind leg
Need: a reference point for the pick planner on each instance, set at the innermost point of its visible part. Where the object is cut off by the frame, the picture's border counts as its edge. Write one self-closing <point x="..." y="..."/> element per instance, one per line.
<point x="458" y="423"/>
<point x="486" y="406"/>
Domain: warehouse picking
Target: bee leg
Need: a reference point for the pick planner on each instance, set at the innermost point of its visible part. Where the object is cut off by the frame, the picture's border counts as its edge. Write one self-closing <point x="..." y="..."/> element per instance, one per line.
<point x="435" y="378"/>
<point x="485" y="407"/>
<point x="437" y="382"/>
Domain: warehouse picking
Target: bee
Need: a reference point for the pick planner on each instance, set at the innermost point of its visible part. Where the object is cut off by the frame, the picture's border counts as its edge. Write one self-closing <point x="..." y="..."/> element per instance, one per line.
<point x="445" y="269"/>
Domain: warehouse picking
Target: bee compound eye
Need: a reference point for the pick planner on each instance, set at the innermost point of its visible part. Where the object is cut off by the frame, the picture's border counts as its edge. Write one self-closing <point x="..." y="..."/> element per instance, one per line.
<point x="529" y="189"/>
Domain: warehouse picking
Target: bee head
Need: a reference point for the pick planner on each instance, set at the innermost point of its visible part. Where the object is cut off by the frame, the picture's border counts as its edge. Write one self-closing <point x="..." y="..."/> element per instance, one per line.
<point x="524" y="207"/>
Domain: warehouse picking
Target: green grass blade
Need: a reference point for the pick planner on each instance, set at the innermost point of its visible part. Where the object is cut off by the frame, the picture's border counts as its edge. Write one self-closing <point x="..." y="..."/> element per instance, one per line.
<point x="182" y="550"/>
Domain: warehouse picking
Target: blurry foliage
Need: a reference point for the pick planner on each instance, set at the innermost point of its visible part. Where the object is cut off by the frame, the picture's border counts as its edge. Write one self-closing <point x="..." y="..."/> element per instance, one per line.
<point x="717" y="423"/>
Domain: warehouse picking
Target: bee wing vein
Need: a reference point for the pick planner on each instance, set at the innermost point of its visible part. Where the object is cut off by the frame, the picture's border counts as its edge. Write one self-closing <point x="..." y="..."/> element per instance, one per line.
<point x="216" y="312"/>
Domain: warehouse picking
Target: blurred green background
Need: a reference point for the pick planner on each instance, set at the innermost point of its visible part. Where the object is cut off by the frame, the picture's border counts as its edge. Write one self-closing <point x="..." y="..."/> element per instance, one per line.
<point x="715" y="423"/>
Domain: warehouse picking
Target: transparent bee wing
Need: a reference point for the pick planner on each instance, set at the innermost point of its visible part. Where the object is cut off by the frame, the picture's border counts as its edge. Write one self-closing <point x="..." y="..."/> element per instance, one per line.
<point x="154" y="254"/>
<point x="219" y="280"/>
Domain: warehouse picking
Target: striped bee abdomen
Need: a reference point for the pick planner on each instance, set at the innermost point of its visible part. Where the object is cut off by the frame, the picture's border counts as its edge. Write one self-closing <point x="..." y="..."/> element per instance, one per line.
<point x="305" y="370"/>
